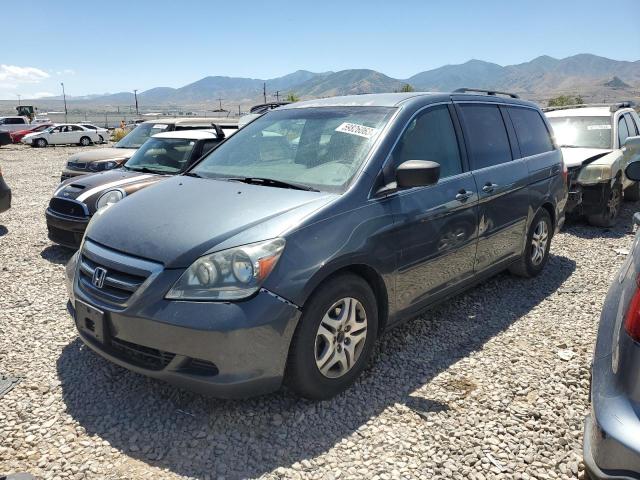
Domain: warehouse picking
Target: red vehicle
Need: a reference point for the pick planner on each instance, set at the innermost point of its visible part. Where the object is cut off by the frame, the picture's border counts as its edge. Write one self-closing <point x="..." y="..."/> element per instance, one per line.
<point x="17" y="136"/>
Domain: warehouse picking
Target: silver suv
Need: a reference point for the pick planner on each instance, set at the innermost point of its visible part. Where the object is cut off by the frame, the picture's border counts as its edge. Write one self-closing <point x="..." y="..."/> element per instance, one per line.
<point x="598" y="142"/>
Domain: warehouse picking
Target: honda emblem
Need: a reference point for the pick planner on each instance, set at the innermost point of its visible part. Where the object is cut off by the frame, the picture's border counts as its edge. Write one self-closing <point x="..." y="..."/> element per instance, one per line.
<point x="99" y="275"/>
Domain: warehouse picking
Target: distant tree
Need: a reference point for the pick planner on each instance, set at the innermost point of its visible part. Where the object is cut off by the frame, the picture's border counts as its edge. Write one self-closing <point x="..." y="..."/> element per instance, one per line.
<point x="407" y="88"/>
<point x="292" y="97"/>
<point x="564" y="100"/>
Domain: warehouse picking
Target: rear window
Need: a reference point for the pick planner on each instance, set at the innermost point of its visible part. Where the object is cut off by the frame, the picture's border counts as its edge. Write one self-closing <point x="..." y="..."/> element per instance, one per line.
<point x="531" y="131"/>
<point x="485" y="134"/>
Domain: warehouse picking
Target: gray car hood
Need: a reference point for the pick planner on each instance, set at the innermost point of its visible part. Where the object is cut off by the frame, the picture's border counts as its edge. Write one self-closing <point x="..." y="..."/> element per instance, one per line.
<point x="574" y="157"/>
<point x="102" y="154"/>
<point x="177" y="220"/>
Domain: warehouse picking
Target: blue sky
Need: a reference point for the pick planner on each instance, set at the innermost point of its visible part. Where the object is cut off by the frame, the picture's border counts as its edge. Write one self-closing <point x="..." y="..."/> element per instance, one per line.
<point x="120" y="46"/>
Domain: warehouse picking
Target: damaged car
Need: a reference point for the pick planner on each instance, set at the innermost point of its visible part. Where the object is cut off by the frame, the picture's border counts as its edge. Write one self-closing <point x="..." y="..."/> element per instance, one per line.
<point x="165" y="154"/>
<point x="598" y="142"/>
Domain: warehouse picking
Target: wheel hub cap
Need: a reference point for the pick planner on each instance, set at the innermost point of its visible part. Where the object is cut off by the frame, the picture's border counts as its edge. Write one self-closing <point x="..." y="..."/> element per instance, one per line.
<point x="341" y="337"/>
<point x="539" y="242"/>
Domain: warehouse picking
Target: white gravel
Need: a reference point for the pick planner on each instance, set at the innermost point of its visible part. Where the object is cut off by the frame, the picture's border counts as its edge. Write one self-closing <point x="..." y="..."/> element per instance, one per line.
<point x="494" y="384"/>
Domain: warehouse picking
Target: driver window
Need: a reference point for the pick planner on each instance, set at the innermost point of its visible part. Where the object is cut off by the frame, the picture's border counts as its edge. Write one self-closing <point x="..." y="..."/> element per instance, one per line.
<point x="430" y="135"/>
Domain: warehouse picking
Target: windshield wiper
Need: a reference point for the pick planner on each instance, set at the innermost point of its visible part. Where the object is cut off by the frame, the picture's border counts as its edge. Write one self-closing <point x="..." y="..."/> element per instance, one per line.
<point x="145" y="170"/>
<point x="570" y="146"/>
<point x="271" y="183"/>
<point x="192" y="174"/>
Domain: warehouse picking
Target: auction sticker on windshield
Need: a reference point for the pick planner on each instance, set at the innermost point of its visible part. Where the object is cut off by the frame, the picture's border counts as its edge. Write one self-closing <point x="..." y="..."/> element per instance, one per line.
<point x="355" y="129"/>
<point x="598" y="127"/>
<point x="160" y="126"/>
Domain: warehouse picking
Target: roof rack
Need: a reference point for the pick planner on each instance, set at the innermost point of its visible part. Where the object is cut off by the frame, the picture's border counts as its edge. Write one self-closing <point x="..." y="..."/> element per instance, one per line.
<point x="613" y="107"/>
<point x="219" y="132"/>
<point x="488" y="92"/>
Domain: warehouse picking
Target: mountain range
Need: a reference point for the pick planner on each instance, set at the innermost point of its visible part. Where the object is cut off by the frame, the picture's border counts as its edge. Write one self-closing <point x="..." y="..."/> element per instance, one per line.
<point x="579" y="74"/>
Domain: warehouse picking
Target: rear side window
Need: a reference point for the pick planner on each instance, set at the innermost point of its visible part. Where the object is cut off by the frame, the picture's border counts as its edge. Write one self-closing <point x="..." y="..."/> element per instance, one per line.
<point x="623" y="131"/>
<point x="430" y="136"/>
<point x="531" y="131"/>
<point x="485" y="134"/>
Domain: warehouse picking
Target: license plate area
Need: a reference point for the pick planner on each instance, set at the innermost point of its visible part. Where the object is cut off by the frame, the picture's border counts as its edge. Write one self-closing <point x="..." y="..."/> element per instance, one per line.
<point x="90" y="321"/>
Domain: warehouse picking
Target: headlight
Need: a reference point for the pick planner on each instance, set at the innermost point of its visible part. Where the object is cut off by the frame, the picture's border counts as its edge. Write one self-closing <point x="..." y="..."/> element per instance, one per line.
<point x="109" y="198"/>
<point x="595" y="174"/>
<point x="230" y="274"/>
<point x="99" y="166"/>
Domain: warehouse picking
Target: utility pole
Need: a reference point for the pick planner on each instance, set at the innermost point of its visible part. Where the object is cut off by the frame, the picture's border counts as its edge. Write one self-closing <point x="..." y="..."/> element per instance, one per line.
<point x="64" y="96"/>
<point x="239" y="112"/>
<point x="135" y="94"/>
<point x="277" y="95"/>
<point x="220" y="100"/>
<point x="264" y="91"/>
<point x="18" y="98"/>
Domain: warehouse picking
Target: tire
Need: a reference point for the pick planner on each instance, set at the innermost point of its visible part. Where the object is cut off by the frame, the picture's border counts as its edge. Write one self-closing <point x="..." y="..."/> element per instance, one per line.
<point x="85" y="141"/>
<point x="316" y="343"/>
<point x="607" y="218"/>
<point x="536" y="253"/>
<point x="40" y="143"/>
<point x="101" y="139"/>
<point x="632" y="193"/>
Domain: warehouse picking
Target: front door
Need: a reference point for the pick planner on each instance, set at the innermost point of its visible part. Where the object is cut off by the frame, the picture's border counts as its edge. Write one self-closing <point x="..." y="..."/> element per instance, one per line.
<point x="436" y="225"/>
<point x="501" y="182"/>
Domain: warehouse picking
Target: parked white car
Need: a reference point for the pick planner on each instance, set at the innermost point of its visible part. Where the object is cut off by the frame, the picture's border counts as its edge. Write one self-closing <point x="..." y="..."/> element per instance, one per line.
<point x="103" y="133"/>
<point x="62" y="134"/>
<point x="598" y="142"/>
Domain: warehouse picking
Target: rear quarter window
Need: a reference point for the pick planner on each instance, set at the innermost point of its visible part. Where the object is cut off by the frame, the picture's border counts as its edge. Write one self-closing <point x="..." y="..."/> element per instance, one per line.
<point x="531" y="131"/>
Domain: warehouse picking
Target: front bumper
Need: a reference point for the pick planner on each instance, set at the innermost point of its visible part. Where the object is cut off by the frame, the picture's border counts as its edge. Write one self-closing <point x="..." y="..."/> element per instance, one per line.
<point x="222" y="349"/>
<point x="66" y="231"/>
<point x="5" y="196"/>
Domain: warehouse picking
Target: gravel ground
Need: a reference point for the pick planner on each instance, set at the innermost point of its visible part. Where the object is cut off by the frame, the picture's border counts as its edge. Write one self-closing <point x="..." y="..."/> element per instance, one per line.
<point x="494" y="384"/>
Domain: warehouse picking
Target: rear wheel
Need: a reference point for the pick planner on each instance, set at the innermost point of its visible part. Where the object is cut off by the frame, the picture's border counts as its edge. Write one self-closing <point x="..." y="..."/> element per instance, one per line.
<point x="607" y="218"/>
<point x="85" y="141"/>
<point x="40" y="142"/>
<point x="632" y="193"/>
<point x="536" y="252"/>
<point x="334" y="338"/>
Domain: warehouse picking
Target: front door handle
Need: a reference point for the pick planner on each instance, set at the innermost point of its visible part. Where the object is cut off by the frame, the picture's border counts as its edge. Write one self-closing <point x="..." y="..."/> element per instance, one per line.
<point x="489" y="187"/>
<point x="463" y="195"/>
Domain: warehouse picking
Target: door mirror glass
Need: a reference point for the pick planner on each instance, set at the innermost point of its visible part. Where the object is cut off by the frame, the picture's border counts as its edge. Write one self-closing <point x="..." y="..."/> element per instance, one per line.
<point x="417" y="173"/>
<point x="633" y="170"/>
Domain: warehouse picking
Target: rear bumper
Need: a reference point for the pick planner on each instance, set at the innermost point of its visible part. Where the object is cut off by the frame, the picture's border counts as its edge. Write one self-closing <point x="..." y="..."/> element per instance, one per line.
<point x="592" y="436"/>
<point x="66" y="231"/>
<point x="5" y="196"/>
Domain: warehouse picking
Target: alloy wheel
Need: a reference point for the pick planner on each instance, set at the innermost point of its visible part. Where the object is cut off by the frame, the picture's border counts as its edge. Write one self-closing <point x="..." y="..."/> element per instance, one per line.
<point x="539" y="241"/>
<point x="340" y="338"/>
<point x="613" y="204"/>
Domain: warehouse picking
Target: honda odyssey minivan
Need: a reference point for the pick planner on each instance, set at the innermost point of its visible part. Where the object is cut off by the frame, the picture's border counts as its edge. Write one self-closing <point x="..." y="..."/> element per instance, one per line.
<point x="286" y="252"/>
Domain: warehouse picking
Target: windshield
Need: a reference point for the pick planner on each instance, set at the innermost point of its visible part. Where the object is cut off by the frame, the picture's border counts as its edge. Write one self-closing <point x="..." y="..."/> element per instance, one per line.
<point x="162" y="155"/>
<point x="317" y="147"/>
<point x="136" y="137"/>
<point x="586" y="132"/>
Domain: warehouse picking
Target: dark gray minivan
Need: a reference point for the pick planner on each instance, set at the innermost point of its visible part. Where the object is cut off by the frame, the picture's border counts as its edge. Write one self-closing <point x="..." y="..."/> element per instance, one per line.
<point x="284" y="253"/>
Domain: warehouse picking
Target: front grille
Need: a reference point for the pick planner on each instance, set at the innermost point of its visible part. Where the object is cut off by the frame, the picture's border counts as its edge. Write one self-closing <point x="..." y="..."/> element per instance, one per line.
<point x="67" y="207"/>
<point x="77" y="165"/>
<point x="124" y="274"/>
<point x="146" y="357"/>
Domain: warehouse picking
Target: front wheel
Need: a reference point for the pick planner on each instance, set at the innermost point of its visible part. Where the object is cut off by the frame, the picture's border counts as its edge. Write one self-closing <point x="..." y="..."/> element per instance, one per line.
<point x="101" y="139"/>
<point x="40" y="143"/>
<point x="85" y="141"/>
<point x="536" y="253"/>
<point x="334" y="339"/>
<point x="607" y="218"/>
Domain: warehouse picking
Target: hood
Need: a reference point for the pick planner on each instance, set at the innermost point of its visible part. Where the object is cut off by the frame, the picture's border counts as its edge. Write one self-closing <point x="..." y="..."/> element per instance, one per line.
<point x="110" y="153"/>
<point x="88" y="188"/>
<point x="574" y="157"/>
<point x="182" y="218"/>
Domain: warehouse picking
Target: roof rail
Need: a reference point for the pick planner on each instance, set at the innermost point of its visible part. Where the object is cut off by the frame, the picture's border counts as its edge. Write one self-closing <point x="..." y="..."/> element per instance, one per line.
<point x="219" y="132"/>
<point x="613" y="107"/>
<point x="488" y="92"/>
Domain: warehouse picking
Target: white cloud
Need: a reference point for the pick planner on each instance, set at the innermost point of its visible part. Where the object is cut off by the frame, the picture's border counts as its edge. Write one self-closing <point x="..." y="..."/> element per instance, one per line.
<point x="66" y="71"/>
<point x="11" y="76"/>
<point x="40" y="95"/>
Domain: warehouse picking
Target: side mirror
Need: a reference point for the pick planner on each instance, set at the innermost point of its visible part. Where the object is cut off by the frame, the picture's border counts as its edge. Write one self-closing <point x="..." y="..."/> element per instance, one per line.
<point x="632" y="142"/>
<point x="633" y="171"/>
<point x="417" y="173"/>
